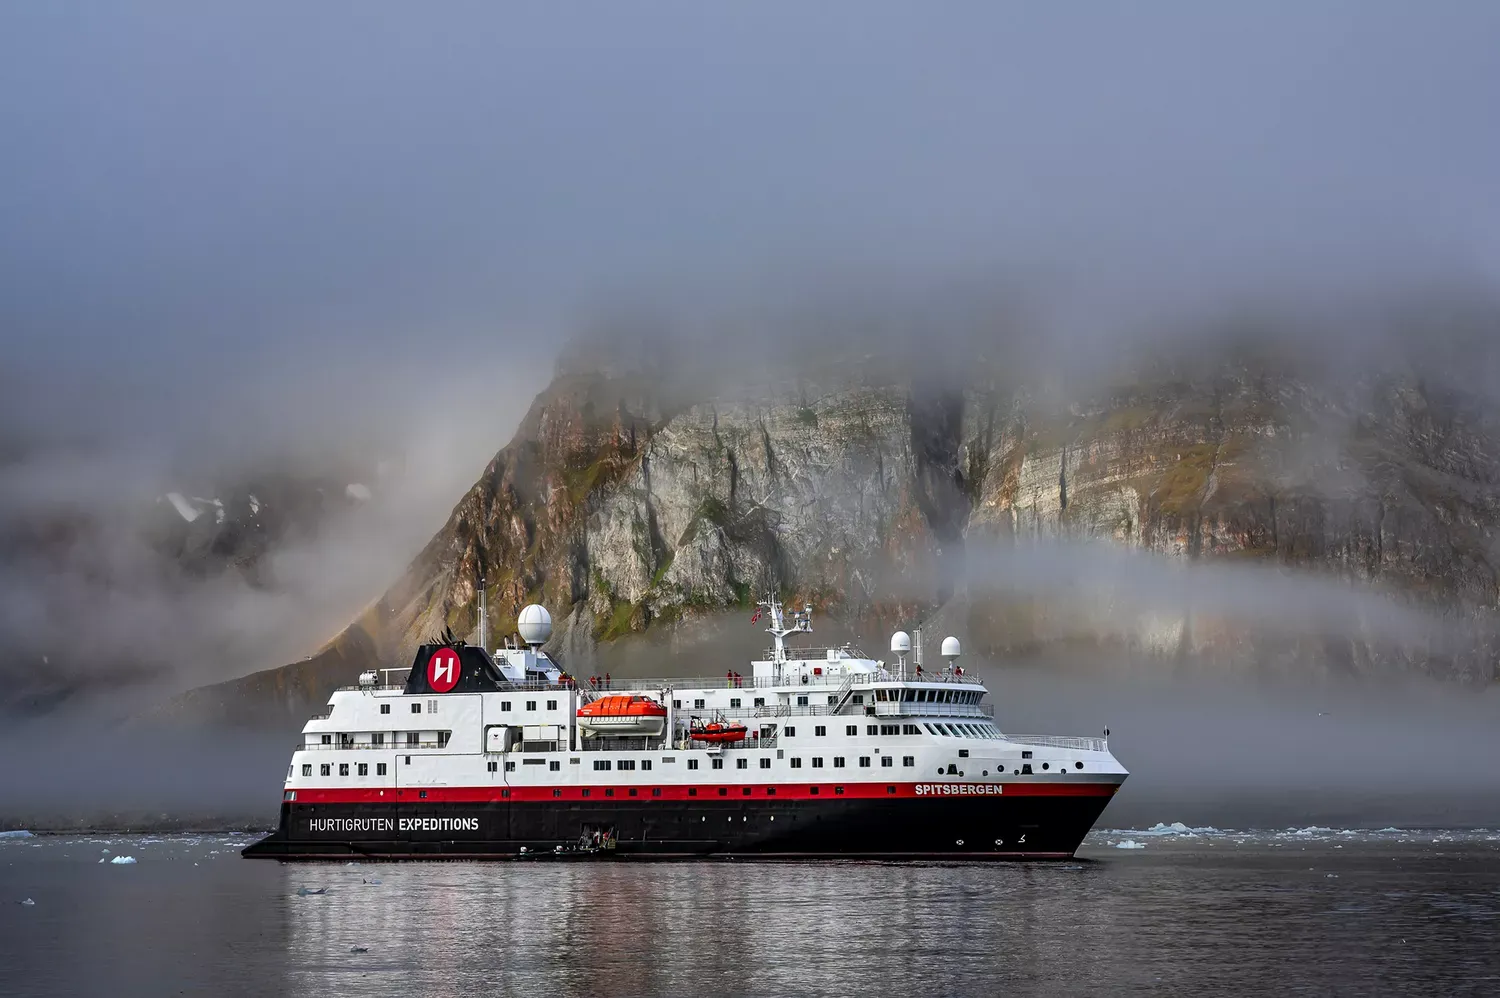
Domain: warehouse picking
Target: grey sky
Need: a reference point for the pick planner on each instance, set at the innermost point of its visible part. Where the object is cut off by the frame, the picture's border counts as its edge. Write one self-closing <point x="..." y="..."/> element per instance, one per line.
<point x="190" y="188"/>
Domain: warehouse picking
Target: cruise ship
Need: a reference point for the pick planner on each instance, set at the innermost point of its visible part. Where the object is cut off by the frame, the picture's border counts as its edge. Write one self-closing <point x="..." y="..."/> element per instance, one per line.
<point x="817" y="753"/>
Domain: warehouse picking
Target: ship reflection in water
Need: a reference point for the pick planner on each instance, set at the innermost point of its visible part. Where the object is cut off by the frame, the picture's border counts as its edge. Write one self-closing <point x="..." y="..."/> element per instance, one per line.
<point x="1312" y="912"/>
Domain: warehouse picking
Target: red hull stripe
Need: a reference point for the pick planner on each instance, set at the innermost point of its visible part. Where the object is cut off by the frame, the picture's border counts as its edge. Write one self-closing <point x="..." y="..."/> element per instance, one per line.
<point x="780" y="791"/>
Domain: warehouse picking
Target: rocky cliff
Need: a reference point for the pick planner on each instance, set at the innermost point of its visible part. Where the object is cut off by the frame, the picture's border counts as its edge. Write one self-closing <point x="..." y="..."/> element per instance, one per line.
<point x="637" y="497"/>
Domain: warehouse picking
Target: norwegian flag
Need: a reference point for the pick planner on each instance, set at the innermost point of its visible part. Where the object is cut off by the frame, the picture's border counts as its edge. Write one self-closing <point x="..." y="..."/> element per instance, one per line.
<point x="756" y="617"/>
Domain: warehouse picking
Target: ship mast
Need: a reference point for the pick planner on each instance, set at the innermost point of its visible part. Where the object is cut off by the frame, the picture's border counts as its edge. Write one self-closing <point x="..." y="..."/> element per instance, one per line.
<point x="801" y="624"/>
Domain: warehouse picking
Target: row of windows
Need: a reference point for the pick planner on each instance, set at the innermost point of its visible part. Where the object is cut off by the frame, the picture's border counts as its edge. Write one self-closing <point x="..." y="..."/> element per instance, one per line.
<point x="623" y="764"/>
<point x="838" y="761"/>
<point x="821" y="730"/>
<point x="361" y="769"/>
<point x="925" y="696"/>
<point x="530" y="705"/>
<point x="963" y="730"/>
<point x="346" y="740"/>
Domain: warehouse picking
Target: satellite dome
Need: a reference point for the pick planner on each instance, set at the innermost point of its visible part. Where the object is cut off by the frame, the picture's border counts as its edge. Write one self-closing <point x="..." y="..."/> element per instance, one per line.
<point x="900" y="642"/>
<point x="950" y="647"/>
<point x="534" y="624"/>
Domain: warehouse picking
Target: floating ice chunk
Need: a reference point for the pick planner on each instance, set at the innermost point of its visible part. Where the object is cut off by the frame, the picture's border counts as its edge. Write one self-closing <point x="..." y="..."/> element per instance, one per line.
<point x="122" y="860"/>
<point x="19" y="833"/>
<point x="303" y="892"/>
<point x="1310" y="830"/>
<point x="28" y="902"/>
<point x="1130" y="844"/>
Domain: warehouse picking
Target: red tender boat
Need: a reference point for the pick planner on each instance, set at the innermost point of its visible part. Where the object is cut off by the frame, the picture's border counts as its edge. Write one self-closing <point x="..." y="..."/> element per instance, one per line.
<point x="718" y="731"/>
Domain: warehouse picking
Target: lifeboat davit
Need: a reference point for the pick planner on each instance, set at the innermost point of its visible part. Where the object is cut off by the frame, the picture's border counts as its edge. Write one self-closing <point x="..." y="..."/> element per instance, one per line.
<point x="622" y="715"/>
<point x="718" y="731"/>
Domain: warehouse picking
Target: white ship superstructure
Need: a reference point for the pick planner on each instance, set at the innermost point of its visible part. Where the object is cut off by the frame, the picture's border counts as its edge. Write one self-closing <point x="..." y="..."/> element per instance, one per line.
<point x="817" y="752"/>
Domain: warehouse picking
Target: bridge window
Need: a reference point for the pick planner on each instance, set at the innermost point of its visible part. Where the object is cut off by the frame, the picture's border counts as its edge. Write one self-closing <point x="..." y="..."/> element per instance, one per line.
<point x="325" y="769"/>
<point x="385" y="708"/>
<point x="364" y="769"/>
<point x="343" y="769"/>
<point x="851" y="729"/>
<point x="765" y="764"/>
<point x="307" y="769"/>
<point x="380" y="769"/>
<point x="820" y="731"/>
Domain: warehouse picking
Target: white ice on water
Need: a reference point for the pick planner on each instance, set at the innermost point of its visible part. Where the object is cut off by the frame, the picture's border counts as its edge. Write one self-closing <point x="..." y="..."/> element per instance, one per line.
<point x="1130" y="844"/>
<point x="19" y="833"/>
<point x="121" y="860"/>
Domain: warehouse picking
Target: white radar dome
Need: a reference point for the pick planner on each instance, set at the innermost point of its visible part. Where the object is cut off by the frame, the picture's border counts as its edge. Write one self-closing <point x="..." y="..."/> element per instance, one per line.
<point x="950" y="647"/>
<point x="900" y="642"/>
<point x="534" y="624"/>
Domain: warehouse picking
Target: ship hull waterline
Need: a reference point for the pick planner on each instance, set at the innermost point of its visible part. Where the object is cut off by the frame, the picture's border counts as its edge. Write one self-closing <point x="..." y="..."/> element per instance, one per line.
<point x="1043" y="826"/>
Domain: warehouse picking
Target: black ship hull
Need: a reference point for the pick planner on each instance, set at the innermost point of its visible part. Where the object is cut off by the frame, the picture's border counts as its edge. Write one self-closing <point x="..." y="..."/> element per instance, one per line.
<point x="1003" y="826"/>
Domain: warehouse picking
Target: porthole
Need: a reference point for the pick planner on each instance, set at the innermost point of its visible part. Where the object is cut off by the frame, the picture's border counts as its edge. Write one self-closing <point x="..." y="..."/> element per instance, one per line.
<point x="986" y="772"/>
<point x="1046" y="765"/>
<point x="1018" y="772"/>
<point x="1077" y="765"/>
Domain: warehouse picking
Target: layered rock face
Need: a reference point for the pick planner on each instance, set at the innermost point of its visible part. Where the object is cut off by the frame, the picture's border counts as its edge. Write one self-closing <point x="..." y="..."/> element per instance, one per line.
<point x="632" y="499"/>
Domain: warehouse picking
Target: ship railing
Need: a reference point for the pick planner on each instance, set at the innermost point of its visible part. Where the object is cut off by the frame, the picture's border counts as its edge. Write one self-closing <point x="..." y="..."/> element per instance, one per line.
<point x="825" y="680"/>
<point x="360" y="746"/>
<point x="891" y="709"/>
<point x="1085" y="743"/>
<point x="388" y="687"/>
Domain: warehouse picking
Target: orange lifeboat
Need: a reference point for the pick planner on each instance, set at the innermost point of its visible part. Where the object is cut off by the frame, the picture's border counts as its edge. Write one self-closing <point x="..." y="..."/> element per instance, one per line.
<point x="624" y="714"/>
<point x="718" y="731"/>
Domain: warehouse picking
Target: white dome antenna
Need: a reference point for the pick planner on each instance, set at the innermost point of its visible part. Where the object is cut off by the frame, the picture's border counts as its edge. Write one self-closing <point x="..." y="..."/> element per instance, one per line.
<point x="951" y="648"/>
<point x="534" y="624"/>
<point x="900" y="642"/>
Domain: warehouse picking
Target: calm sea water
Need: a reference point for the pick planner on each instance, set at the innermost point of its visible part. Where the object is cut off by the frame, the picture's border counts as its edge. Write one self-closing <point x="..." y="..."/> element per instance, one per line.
<point x="1313" y="911"/>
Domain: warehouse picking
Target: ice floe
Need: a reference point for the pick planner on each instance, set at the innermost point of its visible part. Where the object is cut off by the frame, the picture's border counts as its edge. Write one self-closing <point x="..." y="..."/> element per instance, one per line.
<point x="19" y="833"/>
<point x="121" y="860"/>
<point x="1130" y="844"/>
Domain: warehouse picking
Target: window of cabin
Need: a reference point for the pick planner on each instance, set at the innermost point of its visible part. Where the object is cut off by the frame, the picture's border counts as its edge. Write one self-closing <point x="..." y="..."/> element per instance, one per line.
<point x="625" y="764"/>
<point x="851" y="729"/>
<point x="413" y="738"/>
<point x="864" y="761"/>
<point x="551" y="704"/>
<point x="765" y="764"/>
<point x="327" y="739"/>
<point x="645" y="763"/>
<point x="802" y="701"/>
<point x="885" y="760"/>
<point x="698" y="703"/>
<point x="307" y="769"/>
<point x="734" y="702"/>
<point x="791" y="732"/>
<point x="817" y="762"/>
<point x="872" y="729"/>
<point x="859" y="698"/>
<point x="510" y="767"/>
<point x="343" y="769"/>
<point x="796" y="763"/>
<point x="443" y="737"/>
<point x="833" y="698"/>
<point x="742" y="764"/>
<point x="416" y="708"/>
<point x="600" y="765"/>
<point x="492" y="766"/>
<point x="963" y="753"/>
<point x="692" y="764"/>
<point x="838" y="762"/>
<point x="325" y="769"/>
<point x="820" y="731"/>
<point x="364" y="769"/>
<point x="380" y="769"/>
<point x="760" y="701"/>
<point x="531" y="705"/>
<point x="908" y="760"/>
<point x="718" y="764"/>
<point x="677" y="704"/>
<point x="505" y="705"/>
<point x="554" y="766"/>
<point x="910" y="729"/>
<point x="378" y="738"/>
<point x="385" y="708"/>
